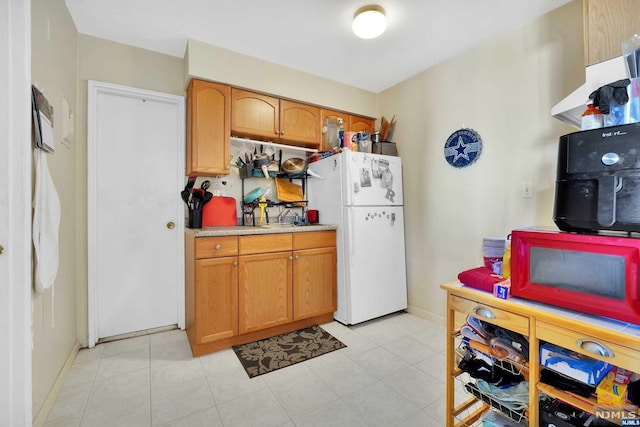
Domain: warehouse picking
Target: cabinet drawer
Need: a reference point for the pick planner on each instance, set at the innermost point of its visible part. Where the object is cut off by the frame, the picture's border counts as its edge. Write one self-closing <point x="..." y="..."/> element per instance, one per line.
<point x="588" y="345"/>
<point x="316" y="239"/>
<point x="258" y="244"/>
<point x="506" y="319"/>
<point x="211" y="247"/>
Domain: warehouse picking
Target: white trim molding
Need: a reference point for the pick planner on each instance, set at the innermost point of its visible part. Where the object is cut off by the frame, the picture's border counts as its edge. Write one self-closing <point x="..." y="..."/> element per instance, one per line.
<point x="15" y="213"/>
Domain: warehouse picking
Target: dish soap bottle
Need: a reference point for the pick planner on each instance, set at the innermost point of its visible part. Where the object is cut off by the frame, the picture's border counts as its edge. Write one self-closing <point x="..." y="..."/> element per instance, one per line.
<point x="591" y="118"/>
<point x="506" y="262"/>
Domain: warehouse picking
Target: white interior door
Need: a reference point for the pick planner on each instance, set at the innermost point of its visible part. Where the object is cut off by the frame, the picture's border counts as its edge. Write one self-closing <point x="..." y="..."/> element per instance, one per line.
<point x="136" y="225"/>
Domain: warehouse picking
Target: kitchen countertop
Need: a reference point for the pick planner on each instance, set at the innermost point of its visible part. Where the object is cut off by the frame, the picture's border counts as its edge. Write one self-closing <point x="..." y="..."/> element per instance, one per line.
<point x="242" y="230"/>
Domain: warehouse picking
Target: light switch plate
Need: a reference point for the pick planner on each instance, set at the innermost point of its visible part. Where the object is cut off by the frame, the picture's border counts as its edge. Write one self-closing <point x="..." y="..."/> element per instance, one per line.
<point x="526" y="190"/>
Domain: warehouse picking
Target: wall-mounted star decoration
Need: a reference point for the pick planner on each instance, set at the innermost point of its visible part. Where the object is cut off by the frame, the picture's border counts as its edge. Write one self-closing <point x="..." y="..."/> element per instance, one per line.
<point x="463" y="147"/>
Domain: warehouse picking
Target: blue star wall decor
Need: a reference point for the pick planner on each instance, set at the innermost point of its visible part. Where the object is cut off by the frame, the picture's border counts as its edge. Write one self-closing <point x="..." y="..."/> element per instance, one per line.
<point x="462" y="148"/>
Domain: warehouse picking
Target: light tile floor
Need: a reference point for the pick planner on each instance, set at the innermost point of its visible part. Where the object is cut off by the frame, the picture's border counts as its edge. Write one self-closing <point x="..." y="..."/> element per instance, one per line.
<point x="392" y="373"/>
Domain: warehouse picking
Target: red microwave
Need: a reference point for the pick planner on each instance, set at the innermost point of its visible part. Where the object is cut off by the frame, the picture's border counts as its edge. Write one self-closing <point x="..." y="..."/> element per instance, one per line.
<point x="595" y="274"/>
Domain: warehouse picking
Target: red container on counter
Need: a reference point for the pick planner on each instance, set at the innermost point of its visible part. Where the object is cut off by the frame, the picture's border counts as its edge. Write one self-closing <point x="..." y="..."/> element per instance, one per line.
<point x="219" y="212"/>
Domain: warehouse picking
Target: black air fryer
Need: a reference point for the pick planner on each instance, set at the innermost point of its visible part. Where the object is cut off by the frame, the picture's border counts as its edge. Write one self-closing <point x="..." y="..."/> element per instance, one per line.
<point x="598" y="180"/>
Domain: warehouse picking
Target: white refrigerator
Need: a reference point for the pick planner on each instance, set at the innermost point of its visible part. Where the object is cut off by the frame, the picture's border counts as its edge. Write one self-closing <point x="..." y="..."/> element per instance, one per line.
<point x="361" y="193"/>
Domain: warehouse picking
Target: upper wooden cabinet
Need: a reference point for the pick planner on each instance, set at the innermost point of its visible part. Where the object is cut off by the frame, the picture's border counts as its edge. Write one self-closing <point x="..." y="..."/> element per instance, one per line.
<point x="606" y="25"/>
<point x="351" y="123"/>
<point x="329" y="134"/>
<point x="208" y="128"/>
<point x="254" y="114"/>
<point x="361" y="124"/>
<point x="266" y="117"/>
<point x="216" y="111"/>
<point x="334" y="115"/>
<point x="299" y="123"/>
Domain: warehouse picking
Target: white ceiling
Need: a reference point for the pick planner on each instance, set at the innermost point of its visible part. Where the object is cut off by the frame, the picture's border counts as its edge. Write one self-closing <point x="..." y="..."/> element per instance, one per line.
<point x="311" y="35"/>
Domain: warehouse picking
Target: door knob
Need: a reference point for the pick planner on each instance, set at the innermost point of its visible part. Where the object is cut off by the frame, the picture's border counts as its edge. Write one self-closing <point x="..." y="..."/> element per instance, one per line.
<point x="170" y="225"/>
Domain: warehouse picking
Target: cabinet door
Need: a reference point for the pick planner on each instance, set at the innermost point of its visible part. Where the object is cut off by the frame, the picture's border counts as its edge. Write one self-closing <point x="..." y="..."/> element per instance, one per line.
<point x="361" y="124"/>
<point x="299" y="123"/>
<point x="216" y="299"/>
<point x="606" y="25"/>
<point x="208" y="132"/>
<point x="264" y="291"/>
<point x="253" y="114"/>
<point x="334" y="116"/>
<point x="314" y="282"/>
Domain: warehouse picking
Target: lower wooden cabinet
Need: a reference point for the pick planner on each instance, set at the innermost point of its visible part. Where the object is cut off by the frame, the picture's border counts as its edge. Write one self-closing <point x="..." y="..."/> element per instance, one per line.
<point x="242" y="288"/>
<point x="314" y="282"/>
<point x="265" y="291"/>
<point x="216" y="299"/>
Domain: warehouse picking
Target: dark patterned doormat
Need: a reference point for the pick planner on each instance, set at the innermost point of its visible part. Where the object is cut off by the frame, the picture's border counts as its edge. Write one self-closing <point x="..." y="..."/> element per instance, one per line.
<point x="267" y="355"/>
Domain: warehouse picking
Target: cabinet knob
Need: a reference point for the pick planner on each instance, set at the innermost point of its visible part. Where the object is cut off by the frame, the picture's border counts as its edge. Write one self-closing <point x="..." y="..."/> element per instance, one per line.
<point x="296" y="257"/>
<point x="1" y="249"/>
<point x="277" y="132"/>
<point x="595" y="347"/>
<point x="218" y="247"/>
<point x="235" y="263"/>
<point x="484" y="312"/>
<point x="170" y="225"/>
<point x="281" y="132"/>
<point x="290" y="258"/>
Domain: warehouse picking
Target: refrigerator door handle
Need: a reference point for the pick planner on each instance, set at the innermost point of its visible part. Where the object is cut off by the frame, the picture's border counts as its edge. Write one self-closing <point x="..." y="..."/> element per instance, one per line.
<point x="352" y="240"/>
<point x="347" y="170"/>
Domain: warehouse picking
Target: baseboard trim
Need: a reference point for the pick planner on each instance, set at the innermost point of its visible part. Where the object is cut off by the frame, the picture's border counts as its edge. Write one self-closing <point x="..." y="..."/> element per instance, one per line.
<point x="426" y="314"/>
<point x="43" y="413"/>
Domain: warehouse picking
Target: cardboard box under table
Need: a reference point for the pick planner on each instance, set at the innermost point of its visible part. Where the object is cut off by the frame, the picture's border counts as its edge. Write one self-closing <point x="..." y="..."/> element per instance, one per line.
<point x="573" y="365"/>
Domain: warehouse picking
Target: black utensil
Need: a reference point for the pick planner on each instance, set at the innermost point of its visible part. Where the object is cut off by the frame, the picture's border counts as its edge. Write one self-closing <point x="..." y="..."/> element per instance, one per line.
<point x="190" y="182"/>
<point x="185" y="196"/>
<point x="207" y="198"/>
<point x="205" y="184"/>
<point x="197" y="195"/>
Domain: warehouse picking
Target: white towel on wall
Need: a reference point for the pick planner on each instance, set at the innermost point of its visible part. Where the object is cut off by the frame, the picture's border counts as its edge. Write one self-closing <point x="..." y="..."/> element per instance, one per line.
<point x="46" y="224"/>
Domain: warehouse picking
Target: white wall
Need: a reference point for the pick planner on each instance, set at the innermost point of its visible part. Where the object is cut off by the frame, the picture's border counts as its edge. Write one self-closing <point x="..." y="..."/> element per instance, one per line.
<point x="504" y="89"/>
<point x="217" y="64"/>
<point x="53" y="68"/>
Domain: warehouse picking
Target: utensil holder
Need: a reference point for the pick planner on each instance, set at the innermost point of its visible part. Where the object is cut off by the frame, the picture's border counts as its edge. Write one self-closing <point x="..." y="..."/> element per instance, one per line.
<point x="195" y="218"/>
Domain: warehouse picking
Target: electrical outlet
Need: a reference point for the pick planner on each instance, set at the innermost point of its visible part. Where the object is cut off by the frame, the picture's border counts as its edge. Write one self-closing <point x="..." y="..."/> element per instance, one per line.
<point x="526" y="190"/>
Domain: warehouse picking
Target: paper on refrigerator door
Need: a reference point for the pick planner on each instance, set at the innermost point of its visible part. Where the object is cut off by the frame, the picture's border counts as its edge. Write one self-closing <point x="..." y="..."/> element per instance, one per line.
<point x="373" y="180"/>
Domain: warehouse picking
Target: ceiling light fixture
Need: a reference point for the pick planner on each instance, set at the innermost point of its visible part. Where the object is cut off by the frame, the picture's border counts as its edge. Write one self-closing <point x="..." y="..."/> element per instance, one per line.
<point x="369" y="22"/>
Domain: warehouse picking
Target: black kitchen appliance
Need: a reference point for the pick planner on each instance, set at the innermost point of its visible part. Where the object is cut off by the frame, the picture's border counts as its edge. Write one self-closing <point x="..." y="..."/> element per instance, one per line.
<point x="554" y="413"/>
<point x="598" y="180"/>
